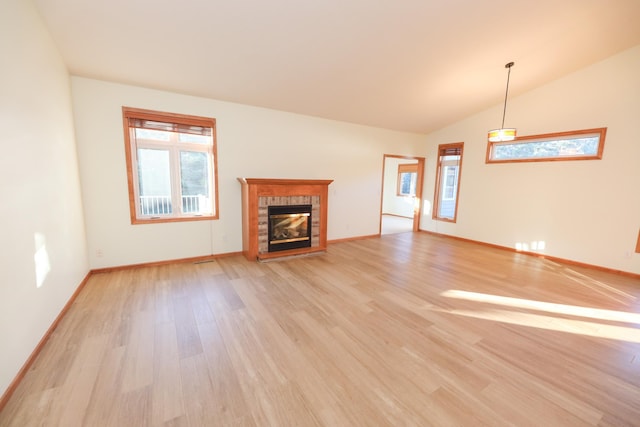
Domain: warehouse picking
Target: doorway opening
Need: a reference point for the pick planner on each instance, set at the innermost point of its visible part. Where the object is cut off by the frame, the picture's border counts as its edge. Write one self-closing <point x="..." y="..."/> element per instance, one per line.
<point x="400" y="205"/>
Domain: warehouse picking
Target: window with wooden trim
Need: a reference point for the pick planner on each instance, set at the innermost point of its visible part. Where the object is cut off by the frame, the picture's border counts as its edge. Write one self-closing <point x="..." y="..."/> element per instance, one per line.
<point x="171" y="166"/>
<point x="407" y="180"/>
<point x="445" y="205"/>
<point x="587" y="144"/>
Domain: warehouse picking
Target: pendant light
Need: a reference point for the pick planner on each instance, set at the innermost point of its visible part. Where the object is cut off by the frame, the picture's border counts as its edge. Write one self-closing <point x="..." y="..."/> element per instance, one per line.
<point x="504" y="134"/>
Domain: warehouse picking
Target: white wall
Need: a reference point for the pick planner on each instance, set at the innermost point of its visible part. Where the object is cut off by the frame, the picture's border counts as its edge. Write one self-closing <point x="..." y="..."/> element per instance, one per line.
<point x="391" y="202"/>
<point x="585" y="211"/>
<point x="252" y="142"/>
<point x="41" y="214"/>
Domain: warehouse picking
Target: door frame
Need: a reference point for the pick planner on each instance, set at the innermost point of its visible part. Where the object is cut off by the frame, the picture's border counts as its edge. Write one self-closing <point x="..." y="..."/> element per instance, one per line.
<point x="417" y="206"/>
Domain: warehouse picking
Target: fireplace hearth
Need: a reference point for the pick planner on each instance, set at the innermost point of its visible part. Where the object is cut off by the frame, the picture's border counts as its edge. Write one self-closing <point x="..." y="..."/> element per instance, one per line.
<point x="289" y="227"/>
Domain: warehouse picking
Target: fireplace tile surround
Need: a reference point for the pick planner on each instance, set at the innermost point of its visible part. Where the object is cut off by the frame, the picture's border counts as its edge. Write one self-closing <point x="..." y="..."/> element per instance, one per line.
<point x="260" y="193"/>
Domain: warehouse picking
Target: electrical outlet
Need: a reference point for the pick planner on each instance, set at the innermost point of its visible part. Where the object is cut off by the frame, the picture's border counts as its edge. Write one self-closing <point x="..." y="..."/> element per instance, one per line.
<point x="99" y="253"/>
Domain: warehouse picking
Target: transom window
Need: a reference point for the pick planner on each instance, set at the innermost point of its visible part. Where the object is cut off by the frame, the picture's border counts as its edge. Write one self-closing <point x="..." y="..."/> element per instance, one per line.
<point x="585" y="144"/>
<point x="171" y="166"/>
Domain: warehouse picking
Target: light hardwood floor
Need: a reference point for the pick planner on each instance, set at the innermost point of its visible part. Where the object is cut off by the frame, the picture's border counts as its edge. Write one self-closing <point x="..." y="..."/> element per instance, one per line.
<point x="403" y="330"/>
<point x="392" y="224"/>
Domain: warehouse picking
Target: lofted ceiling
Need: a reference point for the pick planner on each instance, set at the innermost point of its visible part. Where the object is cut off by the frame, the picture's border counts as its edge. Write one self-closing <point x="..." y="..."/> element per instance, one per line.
<point x="410" y="65"/>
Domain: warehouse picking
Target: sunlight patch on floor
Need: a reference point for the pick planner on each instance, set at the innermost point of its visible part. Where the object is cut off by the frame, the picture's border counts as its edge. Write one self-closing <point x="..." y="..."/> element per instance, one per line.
<point x="598" y="286"/>
<point x="572" y="310"/>
<point x="591" y="328"/>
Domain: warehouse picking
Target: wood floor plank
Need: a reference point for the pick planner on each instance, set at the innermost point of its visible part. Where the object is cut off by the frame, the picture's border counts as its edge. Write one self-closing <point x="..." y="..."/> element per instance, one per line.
<point x="106" y="392"/>
<point x="403" y="330"/>
<point x="166" y="393"/>
<point x="136" y="364"/>
<point x="226" y="394"/>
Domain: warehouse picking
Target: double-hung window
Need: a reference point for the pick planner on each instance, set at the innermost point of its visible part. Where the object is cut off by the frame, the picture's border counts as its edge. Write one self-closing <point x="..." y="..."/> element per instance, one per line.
<point x="171" y="166"/>
<point x="445" y="205"/>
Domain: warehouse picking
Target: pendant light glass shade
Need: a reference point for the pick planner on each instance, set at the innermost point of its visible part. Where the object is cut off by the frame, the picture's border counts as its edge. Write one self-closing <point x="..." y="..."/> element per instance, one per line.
<point x="499" y="135"/>
<point x="504" y="134"/>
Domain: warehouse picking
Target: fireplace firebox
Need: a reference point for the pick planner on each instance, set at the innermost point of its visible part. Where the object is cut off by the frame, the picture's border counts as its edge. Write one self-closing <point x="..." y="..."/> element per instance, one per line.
<point x="289" y="227"/>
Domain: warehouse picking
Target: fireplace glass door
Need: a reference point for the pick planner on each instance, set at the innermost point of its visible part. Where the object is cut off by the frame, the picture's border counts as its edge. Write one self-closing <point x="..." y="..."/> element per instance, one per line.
<point x="289" y="227"/>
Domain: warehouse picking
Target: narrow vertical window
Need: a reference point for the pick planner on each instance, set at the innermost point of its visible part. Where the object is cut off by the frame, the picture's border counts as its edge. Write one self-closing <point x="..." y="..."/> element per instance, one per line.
<point x="407" y="179"/>
<point x="171" y="166"/>
<point x="445" y="205"/>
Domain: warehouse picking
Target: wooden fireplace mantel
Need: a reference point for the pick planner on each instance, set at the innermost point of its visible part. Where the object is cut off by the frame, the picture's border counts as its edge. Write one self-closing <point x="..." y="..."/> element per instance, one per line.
<point x="255" y="188"/>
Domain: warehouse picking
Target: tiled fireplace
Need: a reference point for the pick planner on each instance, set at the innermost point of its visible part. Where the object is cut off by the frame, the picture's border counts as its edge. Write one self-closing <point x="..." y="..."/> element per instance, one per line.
<point x="283" y="217"/>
